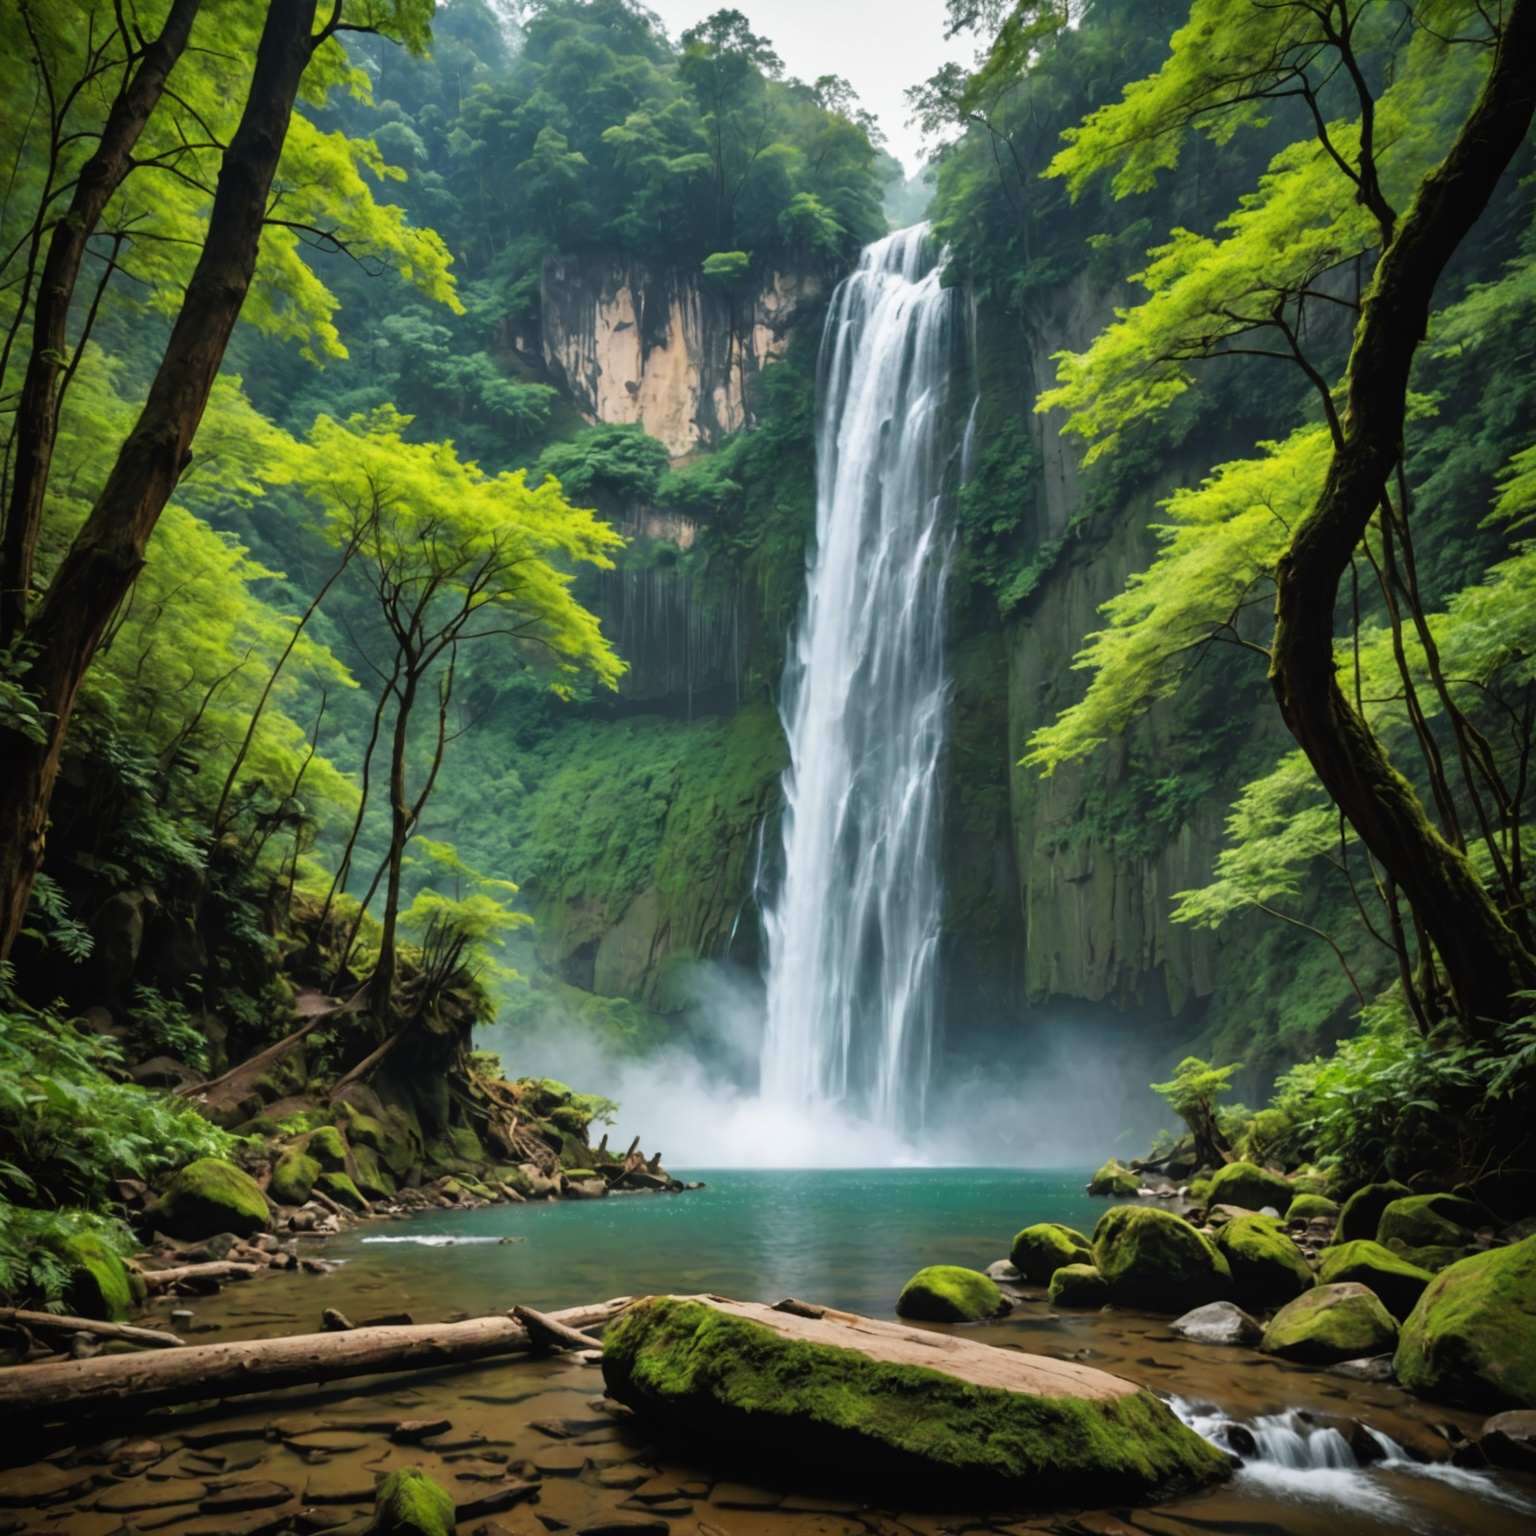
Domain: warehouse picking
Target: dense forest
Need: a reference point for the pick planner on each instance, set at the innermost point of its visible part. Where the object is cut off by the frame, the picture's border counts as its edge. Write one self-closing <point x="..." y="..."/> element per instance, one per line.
<point x="409" y="483"/>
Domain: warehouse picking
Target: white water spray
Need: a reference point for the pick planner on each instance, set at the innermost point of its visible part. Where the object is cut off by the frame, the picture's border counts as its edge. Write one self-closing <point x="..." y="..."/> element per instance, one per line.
<point x="852" y="932"/>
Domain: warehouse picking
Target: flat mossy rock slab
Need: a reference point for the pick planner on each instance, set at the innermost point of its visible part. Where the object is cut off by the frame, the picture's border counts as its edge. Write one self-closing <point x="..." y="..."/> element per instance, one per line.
<point x="1329" y="1324"/>
<point x="1398" y="1283"/>
<point x="1268" y="1269"/>
<point x="1252" y="1187"/>
<point x="852" y="1401"/>
<point x="1114" y="1178"/>
<point x="946" y="1293"/>
<point x="1471" y="1339"/>
<point x="212" y="1196"/>
<point x="1039" y="1251"/>
<point x="1151" y="1258"/>
<point x="1361" y="1213"/>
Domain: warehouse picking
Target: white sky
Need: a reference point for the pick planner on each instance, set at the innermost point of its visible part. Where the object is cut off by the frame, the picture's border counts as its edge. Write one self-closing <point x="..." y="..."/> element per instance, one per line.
<point x="879" y="46"/>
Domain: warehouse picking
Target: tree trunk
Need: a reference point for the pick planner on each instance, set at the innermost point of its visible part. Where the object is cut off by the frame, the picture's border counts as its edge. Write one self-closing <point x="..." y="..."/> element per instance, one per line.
<point x="1483" y="958"/>
<point x="57" y="1322"/>
<point x="128" y="1385"/>
<point x="381" y="987"/>
<point x="108" y="551"/>
<point x="37" y="413"/>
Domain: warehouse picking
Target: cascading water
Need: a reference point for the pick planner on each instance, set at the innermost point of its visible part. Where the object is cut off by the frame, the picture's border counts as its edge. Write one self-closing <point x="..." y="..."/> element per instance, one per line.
<point x="852" y="931"/>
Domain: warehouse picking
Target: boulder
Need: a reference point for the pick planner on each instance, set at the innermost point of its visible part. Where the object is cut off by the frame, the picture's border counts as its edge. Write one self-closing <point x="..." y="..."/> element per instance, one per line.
<point x="871" y="1405"/>
<point x="1039" y="1251"/>
<point x="1078" y="1285"/>
<point x="1268" y="1269"/>
<point x="293" y="1179"/>
<point x="1114" y="1178"/>
<point x="1361" y="1213"/>
<point x="99" y="1284"/>
<point x="1329" y="1324"/>
<point x="1430" y="1221"/>
<point x="1151" y="1258"/>
<point x="409" y="1503"/>
<point x="1248" y="1185"/>
<point x="1306" y="1206"/>
<point x="946" y="1293"/>
<point x="1471" y="1339"/>
<point x="1398" y="1283"/>
<point x="1218" y="1322"/>
<point x="210" y="1196"/>
<point x="342" y="1190"/>
<point x="327" y="1148"/>
<point x="1509" y="1440"/>
<point x="370" y="1174"/>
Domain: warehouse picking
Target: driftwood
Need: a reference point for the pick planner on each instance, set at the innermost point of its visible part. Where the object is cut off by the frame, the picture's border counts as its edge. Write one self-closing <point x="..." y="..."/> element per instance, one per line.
<point x="130" y="1384"/>
<point x="224" y="1269"/>
<point x="547" y="1332"/>
<point x="54" y="1322"/>
<point x="313" y="1008"/>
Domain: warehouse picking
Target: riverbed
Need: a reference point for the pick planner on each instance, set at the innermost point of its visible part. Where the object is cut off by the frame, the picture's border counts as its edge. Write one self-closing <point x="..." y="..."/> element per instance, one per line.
<point x="846" y="1238"/>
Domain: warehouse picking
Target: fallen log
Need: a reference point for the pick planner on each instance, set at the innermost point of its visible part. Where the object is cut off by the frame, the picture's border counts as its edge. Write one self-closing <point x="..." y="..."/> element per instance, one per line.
<point x="130" y="1384"/>
<point x="199" y="1274"/>
<point x="550" y="1333"/>
<point x="54" y="1322"/>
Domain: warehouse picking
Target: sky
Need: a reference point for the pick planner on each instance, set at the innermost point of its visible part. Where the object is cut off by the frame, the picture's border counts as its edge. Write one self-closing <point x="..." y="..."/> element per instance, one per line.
<point x="879" y="46"/>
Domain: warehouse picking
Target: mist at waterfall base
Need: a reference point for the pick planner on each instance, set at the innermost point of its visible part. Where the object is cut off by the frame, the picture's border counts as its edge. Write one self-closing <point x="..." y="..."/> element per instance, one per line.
<point x="1055" y="1089"/>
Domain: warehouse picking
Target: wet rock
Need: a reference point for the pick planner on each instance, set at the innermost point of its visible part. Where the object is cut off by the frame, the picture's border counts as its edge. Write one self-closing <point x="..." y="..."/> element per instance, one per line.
<point x="333" y="1321"/>
<point x="1218" y="1322"/>
<point x="617" y="1525"/>
<point x="948" y="1293"/>
<point x="1249" y="1187"/>
<point x="243" y="1496"/>
<point x="1509" y="1440"/>
<point x="1398" y="1283"/>
<point x="1367" y="1368"/>
<point x="494" y="1500"/>
<point x="1268" y="1269"/>
<point x="1151" y="1258"/>
<point x="1002" y="1272"/>
<point x="388" y="1320"/>
<point x="413" y="1431"/>
<point x="1078" y="1285"/>
<point x="1114" y="1179"/>
<point x="340" y="1485"/>
<point x="1331" y="1323"/>
<point x="1040" y="1250"/>
<point x="141" y="1494"/>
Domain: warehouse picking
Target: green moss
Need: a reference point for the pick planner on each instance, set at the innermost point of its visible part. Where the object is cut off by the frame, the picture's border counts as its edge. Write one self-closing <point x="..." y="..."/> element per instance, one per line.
<point x="1039" y="1251"/>
<point x="1362" y="1211"/>
<point x="342" y="1190"/>
<point x="1308" y="1180"/>
<point x="1268" y="1269"/>
<point x="99" y="1284"/>
<point x="1151" y="1258"/>
<point x="467" y="1147"/>
<point x="1200" y="1189"/>
<point x="571" y="1120"/>
<point x="581" y="1173"/>
<point x="1115" y="1179"/>
<point x="1304" y="1207"/>
<point x="947" y="1293"/>
<point x="1248" y="1185"/>
<point x="327" y="1148"/>
<point x="1398" y="1283"/>
<point x="1471" y="1338"/>
<point x="1429" y="1221"/>
<point x="725" y="1379"/>
<point x="1432" y="1256"/>
<point x="409" y="1503"/>
<point x="293" y="1179"/>
<point x="1330" y="1323"/>
<point x="1078" y="1285"/>
<point x="372" y="1177"/>
<point x="212" y="1196"/>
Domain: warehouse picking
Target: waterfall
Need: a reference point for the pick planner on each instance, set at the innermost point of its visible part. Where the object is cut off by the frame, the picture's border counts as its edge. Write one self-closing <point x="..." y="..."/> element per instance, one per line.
<point x="852" y="931"/>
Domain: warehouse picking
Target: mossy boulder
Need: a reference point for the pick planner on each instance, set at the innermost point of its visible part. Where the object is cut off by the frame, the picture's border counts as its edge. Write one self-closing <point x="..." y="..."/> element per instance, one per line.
<point x="854" y="1405"/>
<point x="342" y="1190"/>
<point x="1398" y="1283"/>
<point x="1200" y="1190"/>
<point x="1430" y="1221"/>
<point x="947" y="1293"/>
<point x="1268" y="1269"/>
<point x="327" y="1148"/>
<point x="211" y="1196"/>
<point x="371" y="1176"/>
<point x="1078" y="1285"/>
<point x="1153" y="1259"/>
<point x="409" y="1503"/>
<point x="1471" y="1338"/>
<point x="466" y="1145"/>
<point x="387" y="1135"/>
<point x="1330" y="1323"/>
<point x="100" y="1284"/>
<point x="1250" y="1186"/>
<point x="1308" y="1180"/>
<point x="1361" y="1213"/>
<point x="1306" y="1207"/>
<point x="1434" y="1256"/>
<point x="293" y="1179"/>
<point x="1039" y="1251"/>
<point x="1114" y="1178"/>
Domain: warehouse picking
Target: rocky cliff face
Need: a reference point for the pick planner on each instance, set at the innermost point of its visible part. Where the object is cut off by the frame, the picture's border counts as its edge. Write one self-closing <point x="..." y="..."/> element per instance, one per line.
<point x="662" y="348"/>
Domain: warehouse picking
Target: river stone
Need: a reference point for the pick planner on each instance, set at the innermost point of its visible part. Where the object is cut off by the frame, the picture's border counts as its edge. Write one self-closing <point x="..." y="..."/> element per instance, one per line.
<point x="1430" y="1221"/>
<point x="881" y="1406"/>
<point x="1039" y="1251"/>
<point x="1368" y="1368"/>
<point x="947" y="1293"/>
<point x="1304" y="1207"/>
<point x="1509" y="1440"/>
<point x="210" y="1196"/>
<point x="1151" y="1258"/>
<point x="1218" y="1322"/>
<point x="1268" y="1269"/>
<point x="1077" y="1285"/>
<point x="1361" y="1213"/>
<point x="1114" y="1178"/>
<point x="1328" y="1324"/>
<point x="1003" y="1272"/>
<point x="1471" y="1339"/>
<point x="1398" y="1283"/>
<point x="1250" y="1186"/>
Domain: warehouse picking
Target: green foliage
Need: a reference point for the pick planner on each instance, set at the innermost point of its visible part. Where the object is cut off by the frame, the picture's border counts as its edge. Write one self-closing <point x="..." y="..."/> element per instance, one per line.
<point x="1196" y="1085"/>
<point x="607" y="464"/>
<point x="160" y="1025"/>
<point x="35" y="1262"/>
